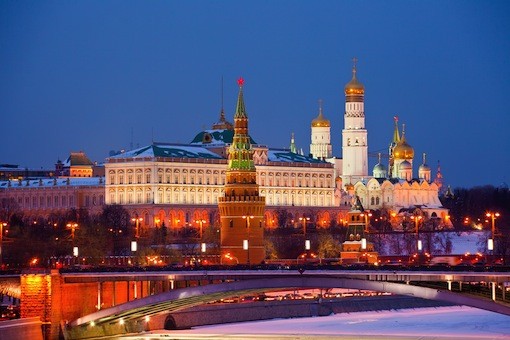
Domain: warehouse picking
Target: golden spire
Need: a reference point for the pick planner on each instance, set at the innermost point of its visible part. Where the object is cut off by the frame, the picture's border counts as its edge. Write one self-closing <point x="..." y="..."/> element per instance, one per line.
<point x="396" y="135"/>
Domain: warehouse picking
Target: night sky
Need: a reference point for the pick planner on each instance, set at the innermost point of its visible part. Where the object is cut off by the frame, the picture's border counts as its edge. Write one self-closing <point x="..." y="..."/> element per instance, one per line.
<point x="101" y="75"/>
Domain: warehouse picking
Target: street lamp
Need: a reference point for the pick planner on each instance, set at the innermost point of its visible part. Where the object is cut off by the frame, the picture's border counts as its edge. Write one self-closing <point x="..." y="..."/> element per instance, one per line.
<point x="2" y="226"/>
<point x="366" y="216"/>
<point x="73" y="227"/>
<point x="137" y="221"/>
<point x="490" y="242"/>
<point x="248" y="218"/>
<point x="247" y="248"/>
<point x="201" y="222"/>
<point x="417" y="220"/>
<point x="304" y="220"/>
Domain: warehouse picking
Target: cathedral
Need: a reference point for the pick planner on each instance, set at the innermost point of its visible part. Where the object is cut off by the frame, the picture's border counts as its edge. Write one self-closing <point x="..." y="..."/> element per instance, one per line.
<point x="393" y="188"/>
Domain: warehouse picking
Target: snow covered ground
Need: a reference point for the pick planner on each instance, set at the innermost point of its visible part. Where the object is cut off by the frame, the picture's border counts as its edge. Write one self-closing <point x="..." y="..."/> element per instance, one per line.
<point x="426" y="323"/>
<point x="471" y="242"/>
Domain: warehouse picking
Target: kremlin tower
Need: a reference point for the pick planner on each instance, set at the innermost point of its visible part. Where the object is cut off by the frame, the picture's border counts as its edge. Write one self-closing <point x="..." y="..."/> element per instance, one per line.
<point x="320" y="146"/>
<point x="354" y="134"/>
<point x="242" y="208"/>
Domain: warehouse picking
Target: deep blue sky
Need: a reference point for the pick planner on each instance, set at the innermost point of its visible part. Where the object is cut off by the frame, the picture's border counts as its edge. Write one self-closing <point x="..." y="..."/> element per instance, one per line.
<point x="82" y="75"/>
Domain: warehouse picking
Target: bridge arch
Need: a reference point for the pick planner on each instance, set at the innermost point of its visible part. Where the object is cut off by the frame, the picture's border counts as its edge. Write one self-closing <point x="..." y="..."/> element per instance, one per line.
<point x="174" y="300"/>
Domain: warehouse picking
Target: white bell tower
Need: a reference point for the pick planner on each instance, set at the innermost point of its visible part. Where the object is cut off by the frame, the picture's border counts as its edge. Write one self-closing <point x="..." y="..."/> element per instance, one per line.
<point x="354" y="134"/>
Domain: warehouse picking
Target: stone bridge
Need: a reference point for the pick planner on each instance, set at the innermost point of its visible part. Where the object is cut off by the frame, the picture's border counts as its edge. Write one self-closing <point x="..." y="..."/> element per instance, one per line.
<point x="102" y="304"/>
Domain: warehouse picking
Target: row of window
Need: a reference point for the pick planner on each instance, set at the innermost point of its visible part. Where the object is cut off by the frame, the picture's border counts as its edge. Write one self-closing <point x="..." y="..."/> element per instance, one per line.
<point x="285" y="182"/>
<point x="63" y="201"/>
<point x="168" y="197"/>
<point x="177" y="177"/>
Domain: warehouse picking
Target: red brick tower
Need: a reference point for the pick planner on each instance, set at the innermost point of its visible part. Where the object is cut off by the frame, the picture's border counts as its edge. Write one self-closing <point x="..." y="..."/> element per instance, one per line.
<point x="242" y="208"/>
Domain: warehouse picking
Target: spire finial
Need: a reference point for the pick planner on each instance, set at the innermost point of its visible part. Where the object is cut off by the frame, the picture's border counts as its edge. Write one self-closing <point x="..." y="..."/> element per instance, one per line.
<point x="293" y="147"/>
<point x="320" y="107"/>
<point x="379" y="155"/>
<point x="424" y="158"/>
<point x="354" y="62"/>
<point x="240" y="81"/>
<point x="396" y="135"/>
<point x="403" y="130"/>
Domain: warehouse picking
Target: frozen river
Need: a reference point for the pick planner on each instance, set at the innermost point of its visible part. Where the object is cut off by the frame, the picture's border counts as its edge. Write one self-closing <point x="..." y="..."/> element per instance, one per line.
<point x="425" y="323"/>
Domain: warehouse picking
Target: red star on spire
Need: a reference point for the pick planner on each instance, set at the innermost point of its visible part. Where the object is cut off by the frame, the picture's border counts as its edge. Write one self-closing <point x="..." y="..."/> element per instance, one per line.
<point x="240" y="82"/>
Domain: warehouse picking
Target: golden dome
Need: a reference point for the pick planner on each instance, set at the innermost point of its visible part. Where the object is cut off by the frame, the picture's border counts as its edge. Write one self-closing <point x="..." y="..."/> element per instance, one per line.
<point x="354" y="87"/>
<point x="320" y="121"/>
<point x="403" y="150"/>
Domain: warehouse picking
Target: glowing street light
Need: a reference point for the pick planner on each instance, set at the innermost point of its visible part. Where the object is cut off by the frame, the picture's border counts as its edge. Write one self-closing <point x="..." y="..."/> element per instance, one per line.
<point x="490" y="242"/>
<point x="137" y="221"/>
<point x="417" y="220"/>
<point x="201" y="222"/>
<point x="248" y="219"/>
<point x="73" y="227"/>
<point x="2" y="226"/>
<point x="305" y="221"/>
<point x="366" y="216"/>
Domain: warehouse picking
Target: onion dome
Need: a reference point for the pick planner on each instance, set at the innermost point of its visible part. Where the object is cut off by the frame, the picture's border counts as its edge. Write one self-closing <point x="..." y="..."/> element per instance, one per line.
<point x="403" y="150"/>
<point x="380" y="170"/>
<point x="424" y="166"/>
<point x="354" y="87"/>
<point x="379" y="167"/>
<point x="320" y="120"/>
<point x="405" y="165"/>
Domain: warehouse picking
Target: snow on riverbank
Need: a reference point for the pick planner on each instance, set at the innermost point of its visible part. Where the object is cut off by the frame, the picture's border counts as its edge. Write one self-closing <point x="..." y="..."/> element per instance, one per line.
<point x="458" y="321"/>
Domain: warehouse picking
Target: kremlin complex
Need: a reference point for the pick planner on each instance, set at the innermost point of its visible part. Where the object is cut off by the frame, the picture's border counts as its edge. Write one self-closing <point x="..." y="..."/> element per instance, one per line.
<point x="225" y="179"/>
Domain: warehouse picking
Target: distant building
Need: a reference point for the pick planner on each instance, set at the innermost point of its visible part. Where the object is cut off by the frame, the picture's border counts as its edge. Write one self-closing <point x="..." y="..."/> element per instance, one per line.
<point x="41" y="197"/>
<point x="13" y="172"/>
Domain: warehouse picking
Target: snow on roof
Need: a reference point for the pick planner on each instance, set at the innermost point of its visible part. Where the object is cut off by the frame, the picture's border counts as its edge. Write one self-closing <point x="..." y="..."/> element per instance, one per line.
<point x="216" y="137"/>
<point x="76" y="159"/>
<point x="282" y="155"/>
<point x="169" y="150"/>
<point x="52" y="182"/>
